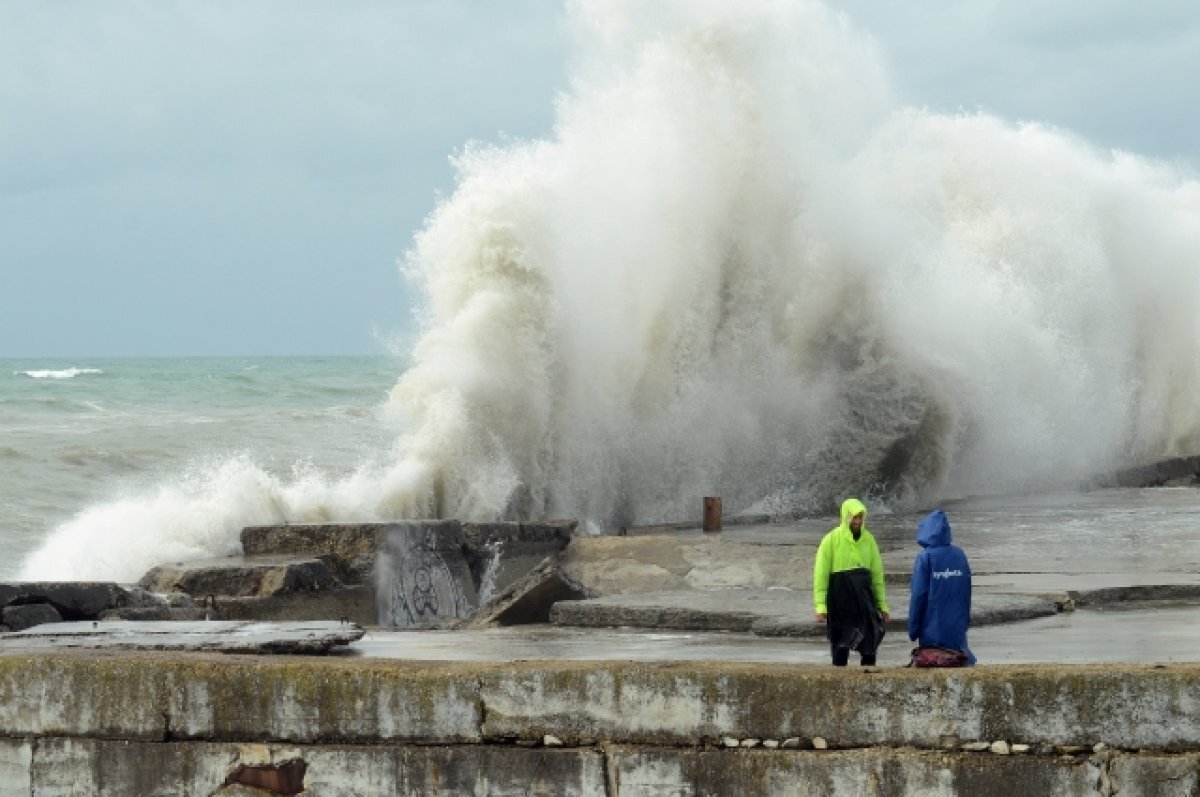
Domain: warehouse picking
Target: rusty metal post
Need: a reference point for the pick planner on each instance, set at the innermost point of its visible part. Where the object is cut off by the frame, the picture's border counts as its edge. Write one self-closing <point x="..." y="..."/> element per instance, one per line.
<point x="712" y="514"/>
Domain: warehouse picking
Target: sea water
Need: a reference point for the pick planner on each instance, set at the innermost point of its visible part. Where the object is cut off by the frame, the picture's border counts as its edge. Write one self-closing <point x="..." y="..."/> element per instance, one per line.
<point x="739" y="266"/>
<point x="134" y="446"/>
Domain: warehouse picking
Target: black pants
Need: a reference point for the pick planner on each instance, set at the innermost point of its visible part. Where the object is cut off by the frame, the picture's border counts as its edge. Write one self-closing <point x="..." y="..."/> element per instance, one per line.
<point x="841" y="657"/>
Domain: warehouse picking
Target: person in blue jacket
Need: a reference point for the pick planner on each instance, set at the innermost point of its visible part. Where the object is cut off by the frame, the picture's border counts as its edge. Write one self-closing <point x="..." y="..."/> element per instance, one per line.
<point x="939" y="604"/>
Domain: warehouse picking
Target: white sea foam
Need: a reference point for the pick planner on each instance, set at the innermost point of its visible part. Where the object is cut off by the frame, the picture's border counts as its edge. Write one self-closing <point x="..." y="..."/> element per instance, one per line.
<point x="738" y="269"/>
<point x="63" y="373"/>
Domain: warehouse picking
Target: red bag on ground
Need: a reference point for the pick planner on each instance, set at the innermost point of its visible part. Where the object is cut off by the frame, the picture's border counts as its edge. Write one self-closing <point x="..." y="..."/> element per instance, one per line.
<point x="932" y="656"/>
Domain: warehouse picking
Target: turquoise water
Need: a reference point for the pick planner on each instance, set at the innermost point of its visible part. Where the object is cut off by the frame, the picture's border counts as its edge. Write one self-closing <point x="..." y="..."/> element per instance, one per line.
<point x="84" y="432"/>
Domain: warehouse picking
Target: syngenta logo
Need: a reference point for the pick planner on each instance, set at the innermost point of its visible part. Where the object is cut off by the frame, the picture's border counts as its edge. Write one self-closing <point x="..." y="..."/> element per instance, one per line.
<point x="947" y="573"/>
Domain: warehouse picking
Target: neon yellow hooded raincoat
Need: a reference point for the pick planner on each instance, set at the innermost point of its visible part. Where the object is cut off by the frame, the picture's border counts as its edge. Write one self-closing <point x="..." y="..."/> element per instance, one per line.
<point x="840" y="552"/>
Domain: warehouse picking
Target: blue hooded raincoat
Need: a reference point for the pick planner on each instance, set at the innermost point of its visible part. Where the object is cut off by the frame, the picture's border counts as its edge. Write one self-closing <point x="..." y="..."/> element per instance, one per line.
<point x="939" y="608"/>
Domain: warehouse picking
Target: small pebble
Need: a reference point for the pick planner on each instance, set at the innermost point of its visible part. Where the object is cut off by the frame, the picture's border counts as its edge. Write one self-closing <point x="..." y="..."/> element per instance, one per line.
<point x="1020" y="748"/>
<point x="819" y="743"/>
<point x="551" y="741"/>
<point x="771" y="743"/>
<point x="791" y="743"/>
<point x="976" y="747"/>
<point x="751" y="742"/>
<point x="999" y="747"/>
<point x="729" y="741"/>
<point x="1099" y="747"/>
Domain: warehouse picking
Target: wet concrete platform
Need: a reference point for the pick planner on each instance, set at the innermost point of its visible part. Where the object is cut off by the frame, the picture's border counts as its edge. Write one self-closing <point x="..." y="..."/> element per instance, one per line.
<point x="1144" y="635"/>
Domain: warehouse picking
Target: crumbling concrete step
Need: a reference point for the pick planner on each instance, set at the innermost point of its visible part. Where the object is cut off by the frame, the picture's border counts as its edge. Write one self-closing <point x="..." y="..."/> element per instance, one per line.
<point x="221" y="636"/>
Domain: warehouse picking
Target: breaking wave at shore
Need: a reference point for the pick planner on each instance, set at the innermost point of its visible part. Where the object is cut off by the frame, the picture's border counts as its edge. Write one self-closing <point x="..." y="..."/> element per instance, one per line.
<point x="738" y="268"/>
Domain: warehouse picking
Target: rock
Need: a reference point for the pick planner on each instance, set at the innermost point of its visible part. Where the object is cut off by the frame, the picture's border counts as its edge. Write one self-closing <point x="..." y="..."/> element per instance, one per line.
<point x="771" y="744"/>
<point x="28" y="615"/>
<point x="791" y="743"/>
<point x="729" y="741"/>
<point x="1180" y="470"/>
<point x="1000" y="747"/>
<point x="551" y="741"/>
<point x="248" y="576"/>
<point x="1099" y="747"/>
<point x="751" y="742"/>
<point x="819" y="743"/>
<point x="79" y="600"/>
<point x="976" y="747"/>
<point x="1019" y="749"/>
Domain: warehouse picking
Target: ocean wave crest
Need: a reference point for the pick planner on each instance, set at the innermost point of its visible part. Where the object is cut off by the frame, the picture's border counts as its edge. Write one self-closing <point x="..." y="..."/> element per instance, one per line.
<point x="61" y="373"/>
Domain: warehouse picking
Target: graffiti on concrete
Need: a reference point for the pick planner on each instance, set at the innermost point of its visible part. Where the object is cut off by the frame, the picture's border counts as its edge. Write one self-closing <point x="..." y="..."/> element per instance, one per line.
<point x="418" y="587"/>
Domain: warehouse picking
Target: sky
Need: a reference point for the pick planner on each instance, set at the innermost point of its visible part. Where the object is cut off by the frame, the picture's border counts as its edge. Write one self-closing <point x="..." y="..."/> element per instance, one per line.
<point x="241" y="177"/>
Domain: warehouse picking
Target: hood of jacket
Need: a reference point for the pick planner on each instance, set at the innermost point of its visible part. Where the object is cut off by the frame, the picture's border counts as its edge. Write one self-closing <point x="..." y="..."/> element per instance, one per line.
<point x="933" y="530"/>
<point x="850" y="508"/>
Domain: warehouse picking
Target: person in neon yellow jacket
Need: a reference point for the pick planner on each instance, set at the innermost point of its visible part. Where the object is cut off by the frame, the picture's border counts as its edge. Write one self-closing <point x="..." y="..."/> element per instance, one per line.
<point x="848" y="587"/>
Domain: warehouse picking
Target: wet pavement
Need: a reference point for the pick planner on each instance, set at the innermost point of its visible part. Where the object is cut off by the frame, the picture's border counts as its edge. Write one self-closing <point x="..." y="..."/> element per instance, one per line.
<point x="1157" y="634"/>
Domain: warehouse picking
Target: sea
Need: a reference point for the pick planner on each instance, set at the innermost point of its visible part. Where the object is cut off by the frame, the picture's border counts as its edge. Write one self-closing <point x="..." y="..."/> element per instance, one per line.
<point x="122" y="449"/>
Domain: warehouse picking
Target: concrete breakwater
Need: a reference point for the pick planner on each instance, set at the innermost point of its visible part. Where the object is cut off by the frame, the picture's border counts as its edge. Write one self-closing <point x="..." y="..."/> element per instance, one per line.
<point x="204" y="724"/>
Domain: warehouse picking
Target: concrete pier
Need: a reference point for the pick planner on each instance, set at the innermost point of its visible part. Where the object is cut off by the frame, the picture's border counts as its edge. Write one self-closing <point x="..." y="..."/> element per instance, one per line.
<point x="203" y="724"/>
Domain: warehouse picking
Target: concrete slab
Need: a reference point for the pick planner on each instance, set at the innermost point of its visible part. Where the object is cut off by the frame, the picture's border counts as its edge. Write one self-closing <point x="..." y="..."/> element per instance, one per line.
<point x="527" y="600"/>
<point x="771" y="612"/>
<point x="315" y="636"/>
<point x="241" y="576"/>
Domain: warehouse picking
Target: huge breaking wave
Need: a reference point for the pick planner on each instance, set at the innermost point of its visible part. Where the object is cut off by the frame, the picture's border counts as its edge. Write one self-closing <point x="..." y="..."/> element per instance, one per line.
<point x="737" y="268"/>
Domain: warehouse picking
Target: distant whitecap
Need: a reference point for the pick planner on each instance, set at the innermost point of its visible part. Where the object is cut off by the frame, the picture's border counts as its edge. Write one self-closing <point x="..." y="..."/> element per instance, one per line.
<point x="64" y="373"/>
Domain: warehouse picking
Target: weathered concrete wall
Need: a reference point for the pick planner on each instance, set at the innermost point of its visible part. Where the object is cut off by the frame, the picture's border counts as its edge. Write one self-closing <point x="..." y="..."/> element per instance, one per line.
<point x="205" y="724"/>
<point x="412" y="574"/>
<point x="65" y="766"/>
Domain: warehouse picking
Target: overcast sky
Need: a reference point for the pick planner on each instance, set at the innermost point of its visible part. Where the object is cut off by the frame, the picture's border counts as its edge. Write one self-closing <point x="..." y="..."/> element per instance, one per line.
<point x="238" y="178"/>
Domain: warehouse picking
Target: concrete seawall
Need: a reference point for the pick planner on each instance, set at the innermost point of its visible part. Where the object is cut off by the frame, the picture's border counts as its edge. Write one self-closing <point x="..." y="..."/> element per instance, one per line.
<point x="199" y="724"/>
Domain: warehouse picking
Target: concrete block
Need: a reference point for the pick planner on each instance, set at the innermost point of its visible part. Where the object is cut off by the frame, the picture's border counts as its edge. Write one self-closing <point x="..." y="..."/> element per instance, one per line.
<point x="1154" y="775"/>
<point x="81" y="695"/>
<point x="503" y="553"/>
<point x="199" y="769"/>
<point x="241" y="576"/>
<point x="16" y="758"/>
<point x="817" y="774"/>
<point x="423" y="578"/>
<point x="1128" y="707"/>
<point x="529" y="599"/>
<point x="356" y="603"/>
<point x="308" y="700"/>
<point x="350" y="549"/>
